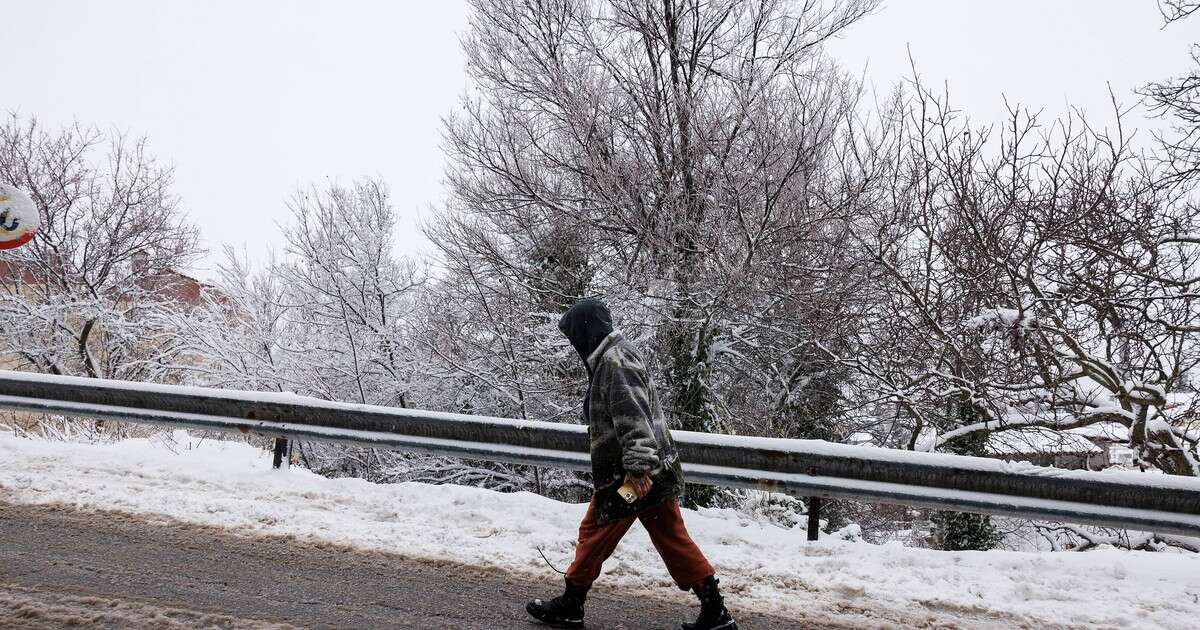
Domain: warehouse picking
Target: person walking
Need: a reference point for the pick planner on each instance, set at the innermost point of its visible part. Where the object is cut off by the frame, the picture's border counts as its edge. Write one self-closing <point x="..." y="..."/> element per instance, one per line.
<point x="635" y="472"/>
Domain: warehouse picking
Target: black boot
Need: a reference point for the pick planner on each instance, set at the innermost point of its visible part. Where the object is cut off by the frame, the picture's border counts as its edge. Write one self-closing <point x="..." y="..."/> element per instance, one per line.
<point x="713" y="615"/>
<point x="564" y="611"/>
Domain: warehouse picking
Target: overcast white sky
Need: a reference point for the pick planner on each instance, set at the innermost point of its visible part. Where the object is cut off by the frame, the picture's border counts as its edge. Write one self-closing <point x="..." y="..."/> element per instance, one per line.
<point x="251" y="99"/>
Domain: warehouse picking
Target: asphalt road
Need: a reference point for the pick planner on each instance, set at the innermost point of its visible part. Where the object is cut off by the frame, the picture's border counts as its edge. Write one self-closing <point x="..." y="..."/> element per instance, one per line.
<point x="65" y="568"/>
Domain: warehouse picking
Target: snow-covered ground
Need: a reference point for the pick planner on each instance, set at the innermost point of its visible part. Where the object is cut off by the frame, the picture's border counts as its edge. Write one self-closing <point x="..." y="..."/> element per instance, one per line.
<point x="763" y="566"/>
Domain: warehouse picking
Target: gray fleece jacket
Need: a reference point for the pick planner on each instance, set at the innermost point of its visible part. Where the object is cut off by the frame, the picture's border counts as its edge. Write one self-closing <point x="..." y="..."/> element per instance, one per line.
<point x="627" y="431"/>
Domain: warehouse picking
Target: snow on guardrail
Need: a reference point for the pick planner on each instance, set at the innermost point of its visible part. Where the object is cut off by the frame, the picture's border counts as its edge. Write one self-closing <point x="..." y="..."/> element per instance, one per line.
<point x="1167" y="504"/>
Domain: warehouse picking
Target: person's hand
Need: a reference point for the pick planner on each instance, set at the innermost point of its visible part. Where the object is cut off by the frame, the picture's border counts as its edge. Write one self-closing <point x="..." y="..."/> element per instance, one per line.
<point x="641" y="485"/>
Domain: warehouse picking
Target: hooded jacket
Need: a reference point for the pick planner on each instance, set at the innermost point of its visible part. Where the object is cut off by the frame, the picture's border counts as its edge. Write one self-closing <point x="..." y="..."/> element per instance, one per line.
<point x="626" y="428"/>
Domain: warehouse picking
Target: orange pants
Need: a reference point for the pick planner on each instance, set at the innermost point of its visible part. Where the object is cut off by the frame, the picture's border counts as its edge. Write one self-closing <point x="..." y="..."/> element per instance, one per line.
<point x="686" y="564"/>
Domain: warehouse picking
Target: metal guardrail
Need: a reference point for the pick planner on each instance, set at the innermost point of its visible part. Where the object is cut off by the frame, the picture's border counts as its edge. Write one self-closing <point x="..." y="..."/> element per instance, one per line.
<point x="807" y="468"/>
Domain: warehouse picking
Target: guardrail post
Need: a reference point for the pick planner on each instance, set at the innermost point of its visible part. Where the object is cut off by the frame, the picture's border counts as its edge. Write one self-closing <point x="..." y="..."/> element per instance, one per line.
<point x="814" y="517"/>
<point x="281" y="450"/>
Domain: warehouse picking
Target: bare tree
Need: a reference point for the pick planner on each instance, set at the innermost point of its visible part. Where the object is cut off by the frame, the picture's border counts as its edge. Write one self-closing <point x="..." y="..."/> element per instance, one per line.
<point x="242" y="337"/>
<point x="349" y="293"/>
<point x="676" y="158"/>
<point x="1048" y="282"/>
<point x="333" y="317"/>
<point x="76" y="293"/>
<point x="1178" y="101"/>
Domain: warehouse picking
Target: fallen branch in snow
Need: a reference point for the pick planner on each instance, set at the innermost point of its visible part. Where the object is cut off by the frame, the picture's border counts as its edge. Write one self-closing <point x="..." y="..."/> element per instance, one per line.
<point x="1085" y="540"/>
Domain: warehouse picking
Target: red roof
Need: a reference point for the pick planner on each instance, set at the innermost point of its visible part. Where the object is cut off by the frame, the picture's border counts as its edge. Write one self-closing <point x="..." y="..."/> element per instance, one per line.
<point x="169" y="284"/>
<point x="17" y="271"/>
<point x="174" y="286"/>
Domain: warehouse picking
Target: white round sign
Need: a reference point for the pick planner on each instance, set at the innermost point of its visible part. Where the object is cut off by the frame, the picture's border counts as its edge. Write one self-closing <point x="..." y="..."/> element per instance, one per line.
<point x="19" y="218"/>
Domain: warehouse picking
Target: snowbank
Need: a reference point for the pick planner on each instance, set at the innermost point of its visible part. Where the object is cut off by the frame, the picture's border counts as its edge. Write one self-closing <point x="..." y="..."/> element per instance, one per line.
<point x="764" y="567"/>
